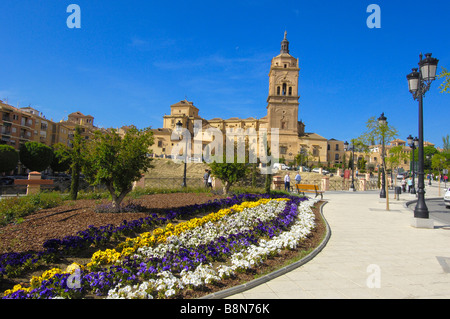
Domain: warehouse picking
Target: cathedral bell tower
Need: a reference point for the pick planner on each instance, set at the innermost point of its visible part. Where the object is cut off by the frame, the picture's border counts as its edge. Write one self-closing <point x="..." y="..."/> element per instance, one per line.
<point x="282" y="102"/>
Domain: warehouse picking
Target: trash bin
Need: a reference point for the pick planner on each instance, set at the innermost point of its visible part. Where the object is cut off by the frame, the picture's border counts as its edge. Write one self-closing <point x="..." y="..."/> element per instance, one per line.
<point x="398" y="191"/>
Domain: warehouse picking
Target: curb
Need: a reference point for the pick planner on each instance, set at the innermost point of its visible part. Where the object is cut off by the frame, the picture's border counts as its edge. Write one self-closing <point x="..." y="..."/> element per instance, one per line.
<point x="406" y="204"/>
<point x="261" y="280"/>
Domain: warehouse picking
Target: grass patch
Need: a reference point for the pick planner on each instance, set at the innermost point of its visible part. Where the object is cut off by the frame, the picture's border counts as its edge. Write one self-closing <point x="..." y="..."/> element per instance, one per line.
<point x="15" y="208"/>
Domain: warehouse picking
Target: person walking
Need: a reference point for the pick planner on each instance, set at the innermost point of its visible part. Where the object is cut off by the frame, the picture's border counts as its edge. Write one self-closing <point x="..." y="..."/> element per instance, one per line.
<point x="404" y="184"/>
<point x="298" y="179"/>
<point x="209" y="179"/>
<point x="206" y="177"/>
<point x="287" y="182"/>
<point x="409" y="184"/>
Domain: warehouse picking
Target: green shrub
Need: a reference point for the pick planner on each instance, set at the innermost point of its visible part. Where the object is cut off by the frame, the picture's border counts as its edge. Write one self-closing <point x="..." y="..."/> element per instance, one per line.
<point x="14" y="208"/>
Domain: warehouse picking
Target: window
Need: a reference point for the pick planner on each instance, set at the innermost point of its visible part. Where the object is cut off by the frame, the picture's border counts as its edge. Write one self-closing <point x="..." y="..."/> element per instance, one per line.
<point x="337" y="147"/>
<point x="285" y="65"/>
<point x="315" y="152"/>
<point x="290" y="90"/>
<point x="336" y="157"/>
<point x="284" y="88"/>
<point x="278" y="90"/>
<point x="160" y="143"/>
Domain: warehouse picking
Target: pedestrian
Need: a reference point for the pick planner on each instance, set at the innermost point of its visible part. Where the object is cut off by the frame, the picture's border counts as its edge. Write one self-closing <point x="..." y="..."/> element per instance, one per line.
<point x="287" y="182"/>
<point x="404" y="184"/>
<point x="206" y="177"/>
<point x="409" y="184"/>
<point x="298" y="179"/>
<point x="209" y="179"/>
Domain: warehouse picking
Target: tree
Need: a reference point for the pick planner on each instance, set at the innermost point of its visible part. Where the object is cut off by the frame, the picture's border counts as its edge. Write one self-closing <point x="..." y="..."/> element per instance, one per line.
<point x="76" y="158"/>
<point x="428" y="153"/>
<point x="377" y="130"/>
<point x="445" y="86"/>
<point x="35" y="156"/>
<point x="117" y="161"/>
<point x="61" y="158"/>
<point x="439" y="162"/>
<point x="229" y="171"/>
<point x="8" y="158"/>
<point x="446" y="143"/>
<point x="395" y="158"/>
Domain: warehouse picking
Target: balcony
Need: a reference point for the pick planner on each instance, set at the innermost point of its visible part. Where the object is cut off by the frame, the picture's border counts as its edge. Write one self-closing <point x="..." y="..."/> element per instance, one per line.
<point x="6" y="117"/>
<point x="5" y="131"/>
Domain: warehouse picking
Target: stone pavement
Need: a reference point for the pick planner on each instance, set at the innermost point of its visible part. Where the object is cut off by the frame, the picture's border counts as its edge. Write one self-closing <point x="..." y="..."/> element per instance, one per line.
<point x="371" y="254"/>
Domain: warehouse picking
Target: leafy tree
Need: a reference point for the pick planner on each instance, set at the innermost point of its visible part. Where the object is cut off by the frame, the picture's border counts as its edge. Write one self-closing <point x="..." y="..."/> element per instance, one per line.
<point x="396" y="157"/>
<point x="9" y="158"/>
<point x="229" y="172"/>
<point x="116" y="161"/>
<point x="428" y="153"/>
<point x="61" y="158"/>
<point x="376" y="132"/>
<point x="445" y="86"/>
<point x="439" y="162"/>
<point x="446" y="143"/>
<point x="35" y="156"/>
<point x="76" y="158"/>
<point x="382" y="132"/>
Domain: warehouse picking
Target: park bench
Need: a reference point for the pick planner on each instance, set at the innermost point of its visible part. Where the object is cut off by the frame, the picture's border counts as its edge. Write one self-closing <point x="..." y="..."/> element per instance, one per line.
<point x="306" y="188"/>
<point x="279" y="184"/>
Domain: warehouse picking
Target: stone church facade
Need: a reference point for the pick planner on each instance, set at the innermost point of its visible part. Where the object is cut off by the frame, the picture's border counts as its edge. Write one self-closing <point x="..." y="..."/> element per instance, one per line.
<point x="282" y="114"/>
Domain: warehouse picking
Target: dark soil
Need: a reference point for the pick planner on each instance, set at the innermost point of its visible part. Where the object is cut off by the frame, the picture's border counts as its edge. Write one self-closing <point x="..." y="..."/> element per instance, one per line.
<point x="75" y="216"/>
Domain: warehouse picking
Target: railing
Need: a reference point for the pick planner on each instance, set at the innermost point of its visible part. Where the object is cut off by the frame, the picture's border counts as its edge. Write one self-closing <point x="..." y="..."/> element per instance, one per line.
<point x="171" y="182"/>
<point x="58" y="186"/>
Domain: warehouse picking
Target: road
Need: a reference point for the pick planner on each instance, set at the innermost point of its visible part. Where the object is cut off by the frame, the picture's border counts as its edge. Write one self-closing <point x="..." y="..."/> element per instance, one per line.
<point x="438" y="211"/>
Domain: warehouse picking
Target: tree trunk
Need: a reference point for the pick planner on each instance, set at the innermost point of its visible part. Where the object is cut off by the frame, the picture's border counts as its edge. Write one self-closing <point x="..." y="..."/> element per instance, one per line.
<point x="74" y="185"/>
<point x="226" y="187"/>
<point x="117" y="200"/>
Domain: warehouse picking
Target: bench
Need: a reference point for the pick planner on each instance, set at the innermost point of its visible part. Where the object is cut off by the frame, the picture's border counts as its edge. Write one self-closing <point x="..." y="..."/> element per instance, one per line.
<point x="280" y="185"/>
<point x="306" y="188"/>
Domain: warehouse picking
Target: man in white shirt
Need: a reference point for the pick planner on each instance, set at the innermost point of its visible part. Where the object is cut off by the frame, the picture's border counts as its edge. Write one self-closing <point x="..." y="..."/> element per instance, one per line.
<point x="287" y="182"/>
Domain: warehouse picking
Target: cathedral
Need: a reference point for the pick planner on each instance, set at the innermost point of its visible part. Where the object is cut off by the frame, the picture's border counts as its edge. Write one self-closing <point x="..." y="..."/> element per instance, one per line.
<point x="282" y="114"/>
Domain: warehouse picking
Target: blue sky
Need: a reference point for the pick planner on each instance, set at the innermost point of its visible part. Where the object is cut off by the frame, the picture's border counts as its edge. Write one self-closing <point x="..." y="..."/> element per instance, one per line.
<point x="131" y="60"/>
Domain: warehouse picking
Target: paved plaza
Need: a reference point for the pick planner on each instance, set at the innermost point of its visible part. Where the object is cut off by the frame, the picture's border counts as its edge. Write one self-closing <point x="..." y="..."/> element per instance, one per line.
<point x="371" y="254"/>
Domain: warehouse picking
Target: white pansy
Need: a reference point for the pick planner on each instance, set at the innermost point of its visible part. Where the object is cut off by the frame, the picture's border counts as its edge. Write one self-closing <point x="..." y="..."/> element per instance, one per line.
<point x="168" y="284"/>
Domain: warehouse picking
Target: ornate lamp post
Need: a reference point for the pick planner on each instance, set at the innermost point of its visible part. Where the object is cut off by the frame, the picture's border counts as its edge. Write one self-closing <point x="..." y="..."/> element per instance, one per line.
<point x="346" y="148"/>
<point x="413" y="143"/>
<point x="179" y="129"/>
<point x="382" y="121"/>
<point x="419" y="82"/>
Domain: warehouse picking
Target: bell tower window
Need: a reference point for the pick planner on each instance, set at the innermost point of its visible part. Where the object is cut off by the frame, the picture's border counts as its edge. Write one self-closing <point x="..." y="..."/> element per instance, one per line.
<point x="284" y="88"/>
<point x="290" y="90"/>
<point x="278" y="90"/>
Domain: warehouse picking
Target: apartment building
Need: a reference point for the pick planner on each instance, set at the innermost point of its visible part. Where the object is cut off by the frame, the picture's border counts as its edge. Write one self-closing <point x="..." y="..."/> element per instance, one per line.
<point x="21" y="125"/>
<point x="16" y="125"/>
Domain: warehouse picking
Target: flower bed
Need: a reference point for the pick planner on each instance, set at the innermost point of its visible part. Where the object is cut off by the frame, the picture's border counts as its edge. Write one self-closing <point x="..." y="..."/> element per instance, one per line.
<point x="188" y="255"/>
<point x="13" y="264"/>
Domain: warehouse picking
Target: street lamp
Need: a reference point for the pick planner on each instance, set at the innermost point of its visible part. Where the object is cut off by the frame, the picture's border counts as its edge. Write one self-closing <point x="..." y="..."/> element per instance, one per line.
<point x="419" y="81"/>
<point x="346" y="148"/>
<point x="413" y="143"/>
<point x="179" y="128"/>
<point x="382" y="121"/>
